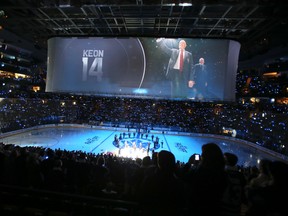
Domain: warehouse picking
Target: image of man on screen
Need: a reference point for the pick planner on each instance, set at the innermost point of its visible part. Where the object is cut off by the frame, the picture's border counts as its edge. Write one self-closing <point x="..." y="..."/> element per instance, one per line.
<point x="198" y="81"/>
<point x="179" y="67"/>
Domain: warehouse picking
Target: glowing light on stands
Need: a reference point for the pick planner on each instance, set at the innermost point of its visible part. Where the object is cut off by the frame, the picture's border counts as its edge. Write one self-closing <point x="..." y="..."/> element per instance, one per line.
<point x="229" y="131"/>
<point x="234" y="133"/>
<point x="18" y="75"/>
<point x="271" y="74"/>
<point x="36" y="88"/>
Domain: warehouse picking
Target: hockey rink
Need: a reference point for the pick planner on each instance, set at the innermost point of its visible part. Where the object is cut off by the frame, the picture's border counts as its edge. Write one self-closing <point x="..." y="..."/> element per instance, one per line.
<point x="130" y="143"/>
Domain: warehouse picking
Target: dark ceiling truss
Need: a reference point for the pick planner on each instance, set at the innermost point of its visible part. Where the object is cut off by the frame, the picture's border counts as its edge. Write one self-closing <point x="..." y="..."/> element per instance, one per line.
<point x="113" y="21"/>
<point x="246" y="21"/>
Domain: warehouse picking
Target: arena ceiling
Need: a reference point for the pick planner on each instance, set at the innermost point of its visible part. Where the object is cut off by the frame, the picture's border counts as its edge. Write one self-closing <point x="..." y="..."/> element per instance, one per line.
<point x="257" y="24"/>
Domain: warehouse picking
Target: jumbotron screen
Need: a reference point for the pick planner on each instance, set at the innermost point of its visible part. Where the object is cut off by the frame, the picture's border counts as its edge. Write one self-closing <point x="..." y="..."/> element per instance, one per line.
<point x="144" y="67"/>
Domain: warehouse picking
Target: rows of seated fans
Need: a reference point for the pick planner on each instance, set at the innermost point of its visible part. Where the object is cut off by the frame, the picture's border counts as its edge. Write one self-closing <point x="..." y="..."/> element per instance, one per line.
<point x="261" y="123"/>
<point x="47" y="179"/>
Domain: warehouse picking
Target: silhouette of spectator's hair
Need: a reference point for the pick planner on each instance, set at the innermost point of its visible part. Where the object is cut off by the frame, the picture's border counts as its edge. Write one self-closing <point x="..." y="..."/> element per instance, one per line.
<point x="166" y="160"/>
<point x="264" y="166"/>
<point x="230" y="159"/>
<point x="146" y="161"/>
<point x="101" y="161"/>
<point x="279" y="173"/>
<point x="212" y="156"/>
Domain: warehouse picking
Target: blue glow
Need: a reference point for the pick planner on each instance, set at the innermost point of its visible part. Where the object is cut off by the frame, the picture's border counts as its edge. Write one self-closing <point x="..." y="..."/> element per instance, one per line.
<point x="140" y="91"/>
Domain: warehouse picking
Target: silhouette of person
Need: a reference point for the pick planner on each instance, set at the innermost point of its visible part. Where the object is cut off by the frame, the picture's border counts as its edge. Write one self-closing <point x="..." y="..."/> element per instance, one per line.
<point x="179" y="67"/>
<point x="162" y="192"/>
<point x="268" y="200"/>
<point x="234" y="198"/>
<point x="206" y="183"/>
<point x="198" y="79"/>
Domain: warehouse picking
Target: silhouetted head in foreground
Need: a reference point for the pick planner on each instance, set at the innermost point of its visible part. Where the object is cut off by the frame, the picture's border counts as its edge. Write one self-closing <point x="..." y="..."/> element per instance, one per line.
<point x="166" y="161"/>
<point x="212" y="156"/>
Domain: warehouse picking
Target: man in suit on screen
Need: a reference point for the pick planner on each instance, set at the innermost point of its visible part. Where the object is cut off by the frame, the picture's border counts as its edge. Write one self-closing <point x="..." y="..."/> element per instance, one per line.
<point x="198" y="80"/>
<point x="179" y="67"/>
